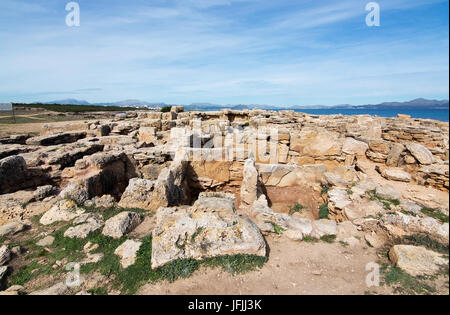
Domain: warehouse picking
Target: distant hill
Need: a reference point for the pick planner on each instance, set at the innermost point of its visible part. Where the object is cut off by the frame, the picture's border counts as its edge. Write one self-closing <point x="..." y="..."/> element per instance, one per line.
<point x="417" y="103"/>
<point x="69" y="101"/>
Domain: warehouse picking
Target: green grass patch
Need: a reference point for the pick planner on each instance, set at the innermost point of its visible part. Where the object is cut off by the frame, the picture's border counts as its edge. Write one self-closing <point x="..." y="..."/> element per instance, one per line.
<point x="28" y="272"/>
<point x="435" y="213"/>
<point x="236" y="264"/>
<point x="310" y="239"/>
<point x="328" y="238"/>
<point x="98" y="291"/>
<point x="277" y="229"/>
<point x="404" y="283"/>
<point x="296" y="208"/>
<point x="323" y="211"/>
<point x="426" y="241"/>
<point x="387" y="202"/>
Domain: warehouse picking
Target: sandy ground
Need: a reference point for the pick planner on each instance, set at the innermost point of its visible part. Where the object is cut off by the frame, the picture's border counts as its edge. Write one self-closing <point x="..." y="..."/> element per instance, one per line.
<point x="293" y="268"/>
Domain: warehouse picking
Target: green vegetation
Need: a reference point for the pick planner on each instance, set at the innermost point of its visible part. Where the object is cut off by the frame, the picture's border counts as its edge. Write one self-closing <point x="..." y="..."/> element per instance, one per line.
<point x="324" y="190"/>
<point x="328" y="238"/>
<point x="277" y="229"/>
<point x="236" y="264"/>
<point x="435" y="213"/>
<point x="404" y="283"/>
<point x="166" y="109"/>
<point x="197" y="233"/>
<point x="63" y="108"/>
<point x="129" y="280"/>
<point x="323" y="211"/>
<point x="344" y="244"/>
<point x="426" y="241"/>
<point x="387" y="202"/>
<point x="98" y="291"/>
<point x="296" y="208"/>
<point x="28" y="272"/>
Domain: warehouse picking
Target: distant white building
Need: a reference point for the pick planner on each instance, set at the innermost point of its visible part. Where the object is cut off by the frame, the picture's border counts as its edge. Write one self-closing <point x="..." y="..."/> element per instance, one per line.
<point x="6" y="106"/>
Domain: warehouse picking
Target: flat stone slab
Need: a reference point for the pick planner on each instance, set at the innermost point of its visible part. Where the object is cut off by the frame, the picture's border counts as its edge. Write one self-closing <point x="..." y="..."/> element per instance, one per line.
<point x="201" y="233"/>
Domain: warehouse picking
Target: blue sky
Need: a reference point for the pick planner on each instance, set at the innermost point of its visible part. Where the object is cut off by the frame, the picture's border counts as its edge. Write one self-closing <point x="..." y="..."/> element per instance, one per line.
<point x="283" y="52"/>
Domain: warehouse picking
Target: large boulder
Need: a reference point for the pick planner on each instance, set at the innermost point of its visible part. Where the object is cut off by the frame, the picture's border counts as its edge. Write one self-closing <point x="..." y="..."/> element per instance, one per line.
<point x="400" y="224"/>
<point x="199" y="232"/>
<point x="13" y="173"/>
<point x="396" y="174"/>
<point x="170" y="189"/>
<point x="5" y="255"/>
<point x="421" y="153"/>
<point x="64" y="210"/>
<point x="121" y="224"/>
<point x="84" y="225"/>
<point x="316" y="142"/>
<point x="417" y="261"/>
<point x="354" y="147"/>
<point x="12" y="228"/>
<point x="65" y="137"/>
<point x="75" y="192"/>
<point x="127" y="252"/>
<point x="249" y="187"/>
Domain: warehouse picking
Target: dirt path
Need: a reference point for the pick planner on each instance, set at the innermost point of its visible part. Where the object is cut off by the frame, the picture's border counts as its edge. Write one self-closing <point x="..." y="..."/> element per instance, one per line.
<point x="293" y="268"/>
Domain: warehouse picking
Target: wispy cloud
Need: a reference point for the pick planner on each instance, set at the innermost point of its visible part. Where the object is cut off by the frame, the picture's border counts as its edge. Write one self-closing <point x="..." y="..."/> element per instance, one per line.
<point x="227" y="51"/>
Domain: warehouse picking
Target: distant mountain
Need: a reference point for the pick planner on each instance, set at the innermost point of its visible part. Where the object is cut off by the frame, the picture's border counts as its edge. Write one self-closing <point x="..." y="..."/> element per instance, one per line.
<point x="69" y="101"/>
<point x="132" y="103"/>
<point x="417" y="103"/>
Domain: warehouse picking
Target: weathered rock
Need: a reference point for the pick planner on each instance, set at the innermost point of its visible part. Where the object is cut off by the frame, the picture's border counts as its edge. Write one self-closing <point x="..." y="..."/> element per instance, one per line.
<point x="127" y="252"/>
<point x="12" y="228"/>
<point x="65" y="210"/>
<point x="5" y="255"/>
<point x="395" y="154"/>
<point x="121" y="224"/>
<point x="417" y="261"/>
<point x="169" y="189"/>
<point x="354" y="147"/>
<point x="265" y="218"/>
<point x="249" y="188"/>
<point x="388" y="192"/>
<point x="3" y="272"/>
<point x="58" y="289"/>
<point x="55" y="139"/>
<point x="75" y="192"/>
<point x="43" y="192"/>
<point x="374" y="240"/>
<point x="105" y="201"/>
<point x="324" y="227"/>
<point x="200" y="233"/>
<point x="46" y="241"/>
<point x="139" y="194"/>
<point x="13" y="173"/>
<point x="421" y="153"/>
<point x="396" y="174"/>
<point x="86" y="224"/>
<point x="399" y="224"/>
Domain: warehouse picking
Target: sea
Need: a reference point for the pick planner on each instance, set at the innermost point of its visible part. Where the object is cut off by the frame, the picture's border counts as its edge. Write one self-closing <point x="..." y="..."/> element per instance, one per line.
<point x="436" y="114"/>
<point x="441" y="114"/>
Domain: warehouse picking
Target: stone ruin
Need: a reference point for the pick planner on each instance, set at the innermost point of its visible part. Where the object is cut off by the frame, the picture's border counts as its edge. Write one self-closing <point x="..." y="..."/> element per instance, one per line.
<point x="218" y="181"/>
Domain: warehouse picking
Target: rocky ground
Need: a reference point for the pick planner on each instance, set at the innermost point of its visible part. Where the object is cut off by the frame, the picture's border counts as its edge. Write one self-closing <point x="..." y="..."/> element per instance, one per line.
<point x="131" y="205"/>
